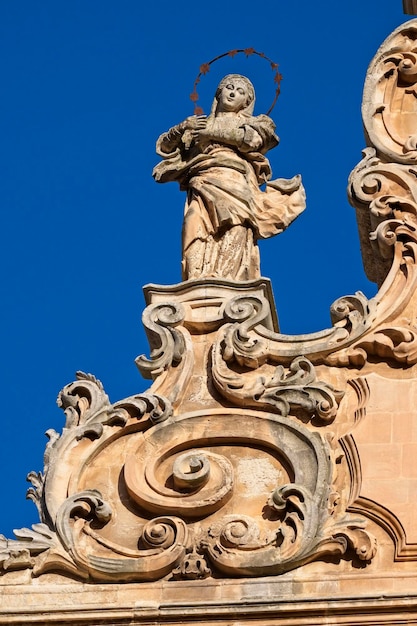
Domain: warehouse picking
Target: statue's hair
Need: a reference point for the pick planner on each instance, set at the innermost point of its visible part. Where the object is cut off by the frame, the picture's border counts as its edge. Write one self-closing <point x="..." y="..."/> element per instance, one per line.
<point x="248" y="109"/>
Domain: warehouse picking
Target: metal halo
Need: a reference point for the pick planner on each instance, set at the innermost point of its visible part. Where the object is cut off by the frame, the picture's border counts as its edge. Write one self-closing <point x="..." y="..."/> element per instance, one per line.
<point x="205" y="68"/>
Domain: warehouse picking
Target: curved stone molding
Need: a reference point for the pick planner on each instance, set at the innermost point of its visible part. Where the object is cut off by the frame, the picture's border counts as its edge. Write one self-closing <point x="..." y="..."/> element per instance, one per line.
<point x="251" y="344"/>
<point x="404" y="551"/>
<point x="361" y="387"/>
<point x="351" y="456"/>
<point x="389" y="105"/>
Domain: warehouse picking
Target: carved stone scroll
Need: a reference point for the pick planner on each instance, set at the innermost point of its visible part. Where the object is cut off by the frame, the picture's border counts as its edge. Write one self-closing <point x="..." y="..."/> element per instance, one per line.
<point x="167" y="344"/>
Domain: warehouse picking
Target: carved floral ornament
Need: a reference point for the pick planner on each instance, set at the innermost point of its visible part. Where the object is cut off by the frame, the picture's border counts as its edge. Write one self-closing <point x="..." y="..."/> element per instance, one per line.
<point x="239" y="460"/>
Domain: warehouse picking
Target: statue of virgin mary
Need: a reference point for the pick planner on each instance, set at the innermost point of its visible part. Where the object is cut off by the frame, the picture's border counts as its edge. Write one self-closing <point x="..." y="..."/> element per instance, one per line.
<point x="219" y="160"/>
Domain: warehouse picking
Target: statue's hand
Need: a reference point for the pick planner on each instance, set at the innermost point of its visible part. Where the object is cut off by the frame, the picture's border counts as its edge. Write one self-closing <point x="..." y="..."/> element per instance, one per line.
<point x="195" y="123"/>
<point x="222" y="130"/>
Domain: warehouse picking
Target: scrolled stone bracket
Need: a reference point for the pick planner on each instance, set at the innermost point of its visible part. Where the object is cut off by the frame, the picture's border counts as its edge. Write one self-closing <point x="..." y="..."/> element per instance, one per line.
<point x="245" y="313"/>
<point x="161" y="542"/>
<point x="166" y="342"/>
<point x="251" y="344"/>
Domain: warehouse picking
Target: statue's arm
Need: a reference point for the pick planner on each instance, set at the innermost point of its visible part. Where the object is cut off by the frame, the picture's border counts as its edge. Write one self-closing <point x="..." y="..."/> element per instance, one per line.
<point x="251" y="140"/>
<point x="263" y="128"/>
<point x="257" y="135"/>
<point x="171" y="140"/>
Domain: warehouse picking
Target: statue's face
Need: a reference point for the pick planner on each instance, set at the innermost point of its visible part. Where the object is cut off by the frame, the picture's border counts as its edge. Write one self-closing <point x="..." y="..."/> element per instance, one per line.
<point x="233" y="96"/>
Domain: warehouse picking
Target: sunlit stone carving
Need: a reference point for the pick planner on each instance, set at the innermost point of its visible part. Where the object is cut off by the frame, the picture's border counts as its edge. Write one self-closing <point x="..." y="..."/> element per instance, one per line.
<point x="253" y="454"/>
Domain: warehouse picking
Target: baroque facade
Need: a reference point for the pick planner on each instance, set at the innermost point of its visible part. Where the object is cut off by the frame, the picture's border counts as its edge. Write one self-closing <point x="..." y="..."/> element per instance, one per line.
<point x="262" y="478"/>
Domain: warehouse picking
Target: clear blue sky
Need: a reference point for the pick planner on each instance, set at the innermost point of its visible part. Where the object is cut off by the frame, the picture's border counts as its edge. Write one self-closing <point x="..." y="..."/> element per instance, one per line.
<point x="87" y="87"/>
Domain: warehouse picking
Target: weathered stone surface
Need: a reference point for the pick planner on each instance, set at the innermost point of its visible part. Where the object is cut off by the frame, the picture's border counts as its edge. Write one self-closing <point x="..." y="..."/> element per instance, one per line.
<point x="262" y="478"/>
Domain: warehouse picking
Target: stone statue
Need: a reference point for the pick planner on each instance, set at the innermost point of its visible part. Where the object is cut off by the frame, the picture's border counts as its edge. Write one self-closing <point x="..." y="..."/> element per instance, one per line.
<point x="220" y="161"/>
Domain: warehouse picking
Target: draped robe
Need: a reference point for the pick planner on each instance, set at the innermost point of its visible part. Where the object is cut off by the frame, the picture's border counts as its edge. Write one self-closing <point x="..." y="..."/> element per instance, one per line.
<point x="226" y="211"/>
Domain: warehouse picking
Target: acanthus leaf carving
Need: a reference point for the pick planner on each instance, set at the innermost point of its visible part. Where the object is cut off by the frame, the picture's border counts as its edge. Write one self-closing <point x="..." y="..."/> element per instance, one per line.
<point x="300" y="519"/>
<point x="20" y="553"/>
<point x="35" y="493"/>
<point x="283" y="392"/>
<point x="136" y="407"/>
<point x="88" y="409"/>
<point x="236" y="545"/>
<point x="82" y="400"/>
<point x="391" y="231"/>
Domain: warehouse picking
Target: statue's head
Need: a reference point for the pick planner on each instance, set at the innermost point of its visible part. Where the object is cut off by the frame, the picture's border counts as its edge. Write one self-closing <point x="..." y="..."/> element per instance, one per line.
<point x="235" y="94"/>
